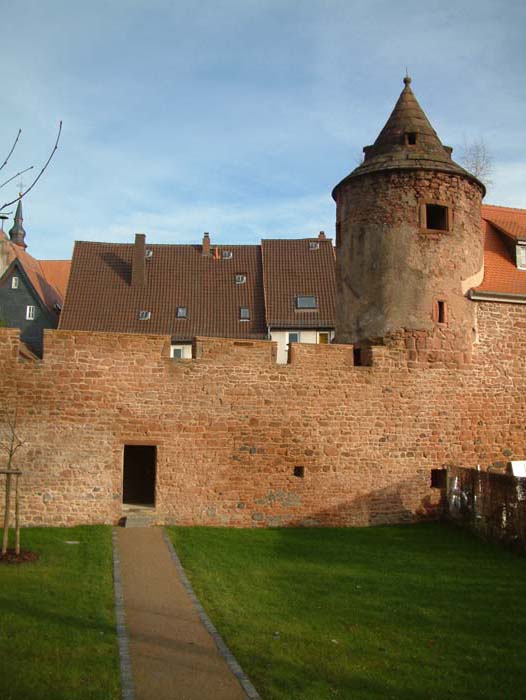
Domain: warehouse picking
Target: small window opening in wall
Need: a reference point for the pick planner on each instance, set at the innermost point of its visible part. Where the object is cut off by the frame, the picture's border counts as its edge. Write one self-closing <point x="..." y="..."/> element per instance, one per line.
<point x="338" y="234"/>
<point x="437" y="217"/>
<point x="357" y="357"/>
<point x="176" y="352"/>
<point x="441" y="315"/>
<point x="438" y="478"/>
<point x="410" y="138"/>
<point x="14" y="283"/>
<point x="30" y="313"/>
<point x="299" y="472"/>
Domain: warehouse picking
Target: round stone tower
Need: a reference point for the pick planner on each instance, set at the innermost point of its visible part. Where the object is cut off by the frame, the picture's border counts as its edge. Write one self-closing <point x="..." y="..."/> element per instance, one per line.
<point x="409" y="242"/>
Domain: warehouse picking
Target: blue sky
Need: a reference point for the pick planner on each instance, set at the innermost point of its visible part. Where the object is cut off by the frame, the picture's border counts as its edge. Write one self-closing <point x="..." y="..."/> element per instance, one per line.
<point x="238" y="117"/>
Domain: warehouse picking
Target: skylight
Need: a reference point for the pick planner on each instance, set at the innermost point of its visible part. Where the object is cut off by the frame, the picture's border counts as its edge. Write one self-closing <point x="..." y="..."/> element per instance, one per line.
<point x="306" y="302"/>
<point x="244" y="314"/>
<point x="144" y="315"/>
<point x="182" y="312"/>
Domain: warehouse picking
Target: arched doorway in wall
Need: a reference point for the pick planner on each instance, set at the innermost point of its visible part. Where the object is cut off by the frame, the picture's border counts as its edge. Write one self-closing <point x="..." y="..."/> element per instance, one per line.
<point x="138" y="475"/>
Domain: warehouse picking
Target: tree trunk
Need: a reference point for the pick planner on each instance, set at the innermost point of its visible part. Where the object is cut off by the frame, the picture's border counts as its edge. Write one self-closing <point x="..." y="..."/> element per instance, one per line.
<point x="5" y="539"/>
<point x="17" y="517"/>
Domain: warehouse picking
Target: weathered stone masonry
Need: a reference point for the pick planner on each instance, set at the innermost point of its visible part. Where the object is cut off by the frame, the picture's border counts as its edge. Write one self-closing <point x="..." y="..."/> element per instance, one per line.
<point x="231" y="425"/>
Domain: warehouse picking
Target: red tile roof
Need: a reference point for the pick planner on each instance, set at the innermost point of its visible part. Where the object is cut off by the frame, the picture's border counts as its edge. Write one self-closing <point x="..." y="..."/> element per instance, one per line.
<point x="48" y="277"/>
<point x="502" y="227"/>
<point x="100" y="296"/>
<point x="291" y="269"/>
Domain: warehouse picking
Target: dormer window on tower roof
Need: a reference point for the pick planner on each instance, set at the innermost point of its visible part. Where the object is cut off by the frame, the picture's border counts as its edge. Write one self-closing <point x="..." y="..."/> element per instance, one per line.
<point x="410" y="138"/>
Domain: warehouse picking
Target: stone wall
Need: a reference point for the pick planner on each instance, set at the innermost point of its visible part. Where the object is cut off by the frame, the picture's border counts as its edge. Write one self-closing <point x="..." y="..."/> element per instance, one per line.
<point x="231" y="425"/>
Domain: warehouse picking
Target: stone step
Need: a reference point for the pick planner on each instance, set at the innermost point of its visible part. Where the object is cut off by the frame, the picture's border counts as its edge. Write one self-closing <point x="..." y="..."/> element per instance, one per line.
<point x="138" y="520"/>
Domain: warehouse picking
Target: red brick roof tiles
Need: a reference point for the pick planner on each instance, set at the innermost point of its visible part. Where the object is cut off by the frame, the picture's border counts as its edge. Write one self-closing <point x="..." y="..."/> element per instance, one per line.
<point x="502" y="226"/>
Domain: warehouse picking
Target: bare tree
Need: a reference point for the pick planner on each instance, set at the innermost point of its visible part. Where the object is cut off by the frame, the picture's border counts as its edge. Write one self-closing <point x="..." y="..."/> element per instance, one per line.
<point x="37" y="178"/>
<point x="476" y="157"/>
<point x="10" y="445"/>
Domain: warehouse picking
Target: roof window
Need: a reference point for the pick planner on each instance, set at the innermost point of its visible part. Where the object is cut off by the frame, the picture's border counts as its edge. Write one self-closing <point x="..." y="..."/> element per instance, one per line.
<point x="148" y="254"/>
<point x="244" y="313"/>
<point x="182" y="312"/>
<point x="314" y="245"/>
<point x="520" y="255"/>
<point x="14" y="282"/>
<point x="226" y="254"/>
<point x="306" y="302"/>
<point x="241" y="279"/>
<point x="145" y="315"/>
<point x="410" y="138"/>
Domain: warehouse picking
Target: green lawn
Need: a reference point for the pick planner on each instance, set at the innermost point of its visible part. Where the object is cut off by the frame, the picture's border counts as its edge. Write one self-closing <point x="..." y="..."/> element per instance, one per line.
<point x="423" y="612"/>
<point x="57" y="629"/>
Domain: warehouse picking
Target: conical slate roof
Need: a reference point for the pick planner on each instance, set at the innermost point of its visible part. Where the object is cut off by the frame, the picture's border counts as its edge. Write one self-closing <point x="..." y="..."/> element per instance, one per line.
<point x="408" y="142"/>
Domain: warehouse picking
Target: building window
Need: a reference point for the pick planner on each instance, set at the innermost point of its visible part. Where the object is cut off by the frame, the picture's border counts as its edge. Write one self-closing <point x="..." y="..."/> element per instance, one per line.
<point x="176" y="351"/>
<point x="241" y="279"/>
<point x="299" y="472"/>
<point x="441" y="312"/>
<point x="410" y="138"/>
<point x="14" y="283"/>
<point x="144" y="315"/>
<point x="227" y="254"/>
<point x="182" y="312"/>
<point x="244" y="314"/>
<point x="437" y="217"/>
<point x="30" y="313"/>
<point x="314" y="245"/>
<point x="338" y="234"/>
<point x="324" y="338"/>
<point x="293" y="337"/>
<point x="306" y="302"/>
<point x="520" y="256"/>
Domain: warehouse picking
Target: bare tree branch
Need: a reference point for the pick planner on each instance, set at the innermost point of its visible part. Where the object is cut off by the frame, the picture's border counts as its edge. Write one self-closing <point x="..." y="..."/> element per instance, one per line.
<point x="12" y="178"/>
<point x="477" y="159"/>
<point x="11" y="151"/>
<point x="23" y="194"/>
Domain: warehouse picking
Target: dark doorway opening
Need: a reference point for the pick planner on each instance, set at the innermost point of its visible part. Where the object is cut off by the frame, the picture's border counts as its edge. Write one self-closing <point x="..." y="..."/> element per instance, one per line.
<point x="138" y="482"/>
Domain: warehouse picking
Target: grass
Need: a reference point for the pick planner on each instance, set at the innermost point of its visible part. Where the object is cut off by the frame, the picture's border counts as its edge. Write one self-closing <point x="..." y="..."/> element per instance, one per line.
<point x="57" y="626"/>
<point x="422" y="612"/>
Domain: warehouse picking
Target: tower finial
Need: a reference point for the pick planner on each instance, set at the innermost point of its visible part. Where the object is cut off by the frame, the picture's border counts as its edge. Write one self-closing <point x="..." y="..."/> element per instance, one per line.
<point x="407" y="79"/>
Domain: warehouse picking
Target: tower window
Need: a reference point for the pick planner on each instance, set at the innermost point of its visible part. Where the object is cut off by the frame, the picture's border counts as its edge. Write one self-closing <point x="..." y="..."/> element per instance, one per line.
<point x="441" y="312"/>
<point x="410" y="138"/>
<point x="338" y="234"/>
<point x="437" y="217"/>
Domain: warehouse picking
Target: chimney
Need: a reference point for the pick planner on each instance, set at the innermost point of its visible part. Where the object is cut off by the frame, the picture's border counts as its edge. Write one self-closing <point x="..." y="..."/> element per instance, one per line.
<point x="138" y="277"/>
<point x="321" y="236"/>
<point x="206" y="244"/>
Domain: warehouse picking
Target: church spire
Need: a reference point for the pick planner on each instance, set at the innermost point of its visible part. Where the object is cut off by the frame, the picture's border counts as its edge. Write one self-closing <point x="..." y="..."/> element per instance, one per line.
<point x="17" y="233"/>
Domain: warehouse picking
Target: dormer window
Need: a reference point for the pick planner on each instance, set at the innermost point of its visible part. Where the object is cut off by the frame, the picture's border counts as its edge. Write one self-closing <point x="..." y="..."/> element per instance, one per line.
<point x="145" y="315"/>
<point x="227" y="254"/>
<point x="14" y="282"/>
<point x="520" y="255"/>
<point x="410" y="138"/>
<point x="148" y="254"/>
<point x="244" y="313"/>
<point x="314" y="245"/>
<point x="182" y="312"/>
<point x="241" y="279"/>
<point x="306" y="302"/>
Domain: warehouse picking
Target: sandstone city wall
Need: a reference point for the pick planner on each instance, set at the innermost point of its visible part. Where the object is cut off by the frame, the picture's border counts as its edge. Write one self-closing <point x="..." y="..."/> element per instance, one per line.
<point x="231" y="425"/>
